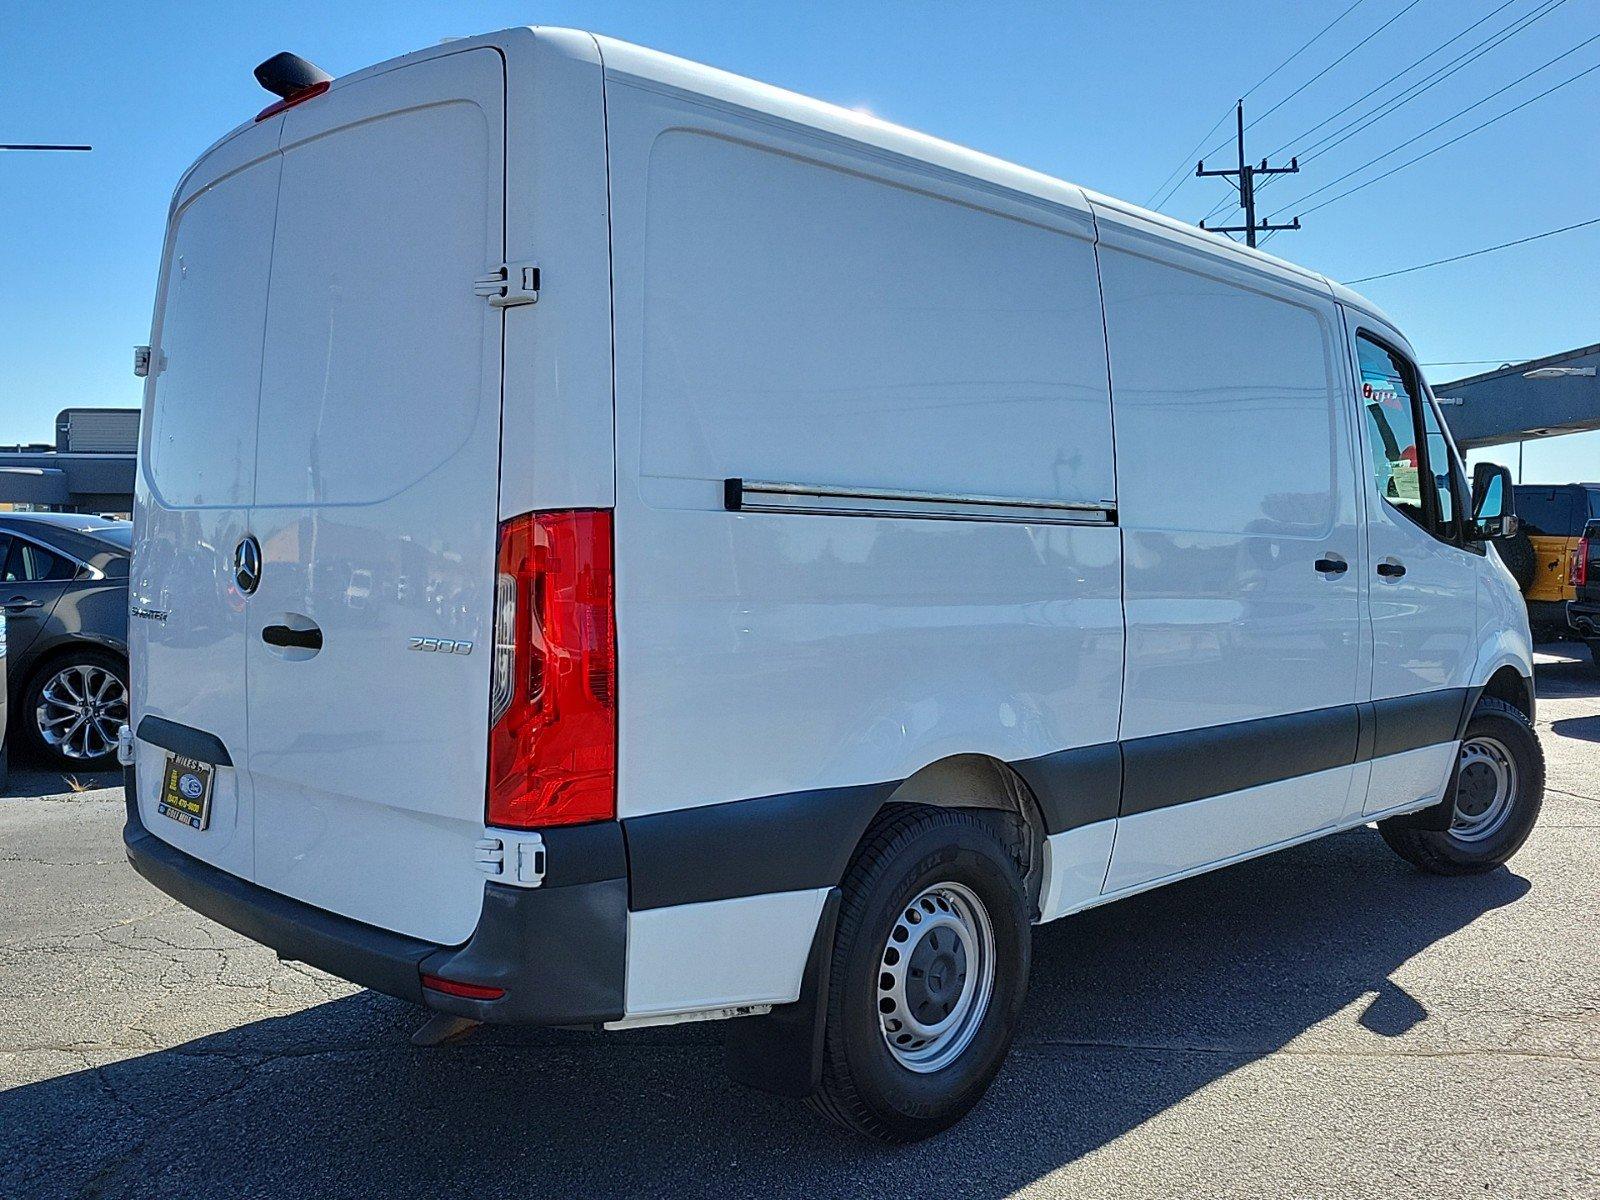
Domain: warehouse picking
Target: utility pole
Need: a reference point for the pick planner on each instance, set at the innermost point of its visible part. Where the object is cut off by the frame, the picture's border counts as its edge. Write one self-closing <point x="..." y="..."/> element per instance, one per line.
<point x="1246" y="185"/>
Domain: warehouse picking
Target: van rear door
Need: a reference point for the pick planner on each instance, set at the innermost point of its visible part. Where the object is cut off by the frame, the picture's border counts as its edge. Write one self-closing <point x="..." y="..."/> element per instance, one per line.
<point x="196" y="480"/>
<point x="375" y="502"/>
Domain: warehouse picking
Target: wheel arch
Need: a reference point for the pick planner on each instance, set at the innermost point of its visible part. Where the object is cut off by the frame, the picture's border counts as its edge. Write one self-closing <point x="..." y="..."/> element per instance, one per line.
<point x="1510" y="685"/>
<point x="64" y="648"/>
<point x="979" y="781"/>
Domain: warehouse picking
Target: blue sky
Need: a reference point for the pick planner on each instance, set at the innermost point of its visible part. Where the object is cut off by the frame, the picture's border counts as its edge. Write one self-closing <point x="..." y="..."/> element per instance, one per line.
<point x="1109" y="94"/>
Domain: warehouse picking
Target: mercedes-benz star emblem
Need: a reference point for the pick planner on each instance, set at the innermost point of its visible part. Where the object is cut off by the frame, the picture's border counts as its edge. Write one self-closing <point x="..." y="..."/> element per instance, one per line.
<point x="247" y="565"/>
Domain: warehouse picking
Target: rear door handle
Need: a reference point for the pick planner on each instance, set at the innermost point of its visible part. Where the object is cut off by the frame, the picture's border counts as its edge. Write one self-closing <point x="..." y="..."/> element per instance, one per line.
<point x="299" y="639"/>
<point x="1332" y="565"/>
<point x="1391" y="570"/>
<point x="18" y="603"/>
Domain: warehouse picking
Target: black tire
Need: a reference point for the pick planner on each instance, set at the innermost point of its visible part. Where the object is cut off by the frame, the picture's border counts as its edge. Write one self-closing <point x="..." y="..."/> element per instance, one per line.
<point x="33" y="698"/>
<point x="1517" y="553"/>
<point x="864" y="1086"/>
<point x="1443" y="852"/>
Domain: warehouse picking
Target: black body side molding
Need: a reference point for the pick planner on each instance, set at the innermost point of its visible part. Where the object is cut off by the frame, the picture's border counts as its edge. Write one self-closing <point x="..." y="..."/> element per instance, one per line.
<point x="783" y="843"/>
<point x="1440" y="816"/>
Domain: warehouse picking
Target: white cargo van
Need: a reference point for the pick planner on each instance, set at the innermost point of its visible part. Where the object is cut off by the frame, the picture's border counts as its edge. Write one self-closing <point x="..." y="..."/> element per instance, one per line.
<point x="619" y="544"/>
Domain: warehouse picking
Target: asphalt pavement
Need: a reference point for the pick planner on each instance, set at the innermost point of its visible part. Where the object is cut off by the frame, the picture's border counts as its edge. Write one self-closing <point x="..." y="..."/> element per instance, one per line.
<point x="1326" y="1021"/>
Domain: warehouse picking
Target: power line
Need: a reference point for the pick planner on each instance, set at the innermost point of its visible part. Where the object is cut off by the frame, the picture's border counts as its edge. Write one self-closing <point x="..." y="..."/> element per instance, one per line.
<point x="1427" y="82"/>
<point x="1182" y="167"/>
<point x="1327" y="142"/>
<point x="1438" y="262"/>
<point x="1322" y="145"/>
<point x="1403" y="71"/>
<point x="1179" y="171"/>
<point x="1443" y="145"/>
<point x="1326" y="69"/>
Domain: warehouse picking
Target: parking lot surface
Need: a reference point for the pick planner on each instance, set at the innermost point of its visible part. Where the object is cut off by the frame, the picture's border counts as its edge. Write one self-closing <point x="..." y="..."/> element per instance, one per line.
<point x="1322" y="1022"/>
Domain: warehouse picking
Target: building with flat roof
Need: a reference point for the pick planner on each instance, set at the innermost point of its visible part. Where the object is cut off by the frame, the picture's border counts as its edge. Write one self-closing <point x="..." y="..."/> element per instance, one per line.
<point x="89" y="469"/>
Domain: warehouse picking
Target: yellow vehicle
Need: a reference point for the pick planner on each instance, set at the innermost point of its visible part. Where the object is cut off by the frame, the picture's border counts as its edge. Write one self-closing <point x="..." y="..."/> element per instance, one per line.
<point x="1552" y="517"/>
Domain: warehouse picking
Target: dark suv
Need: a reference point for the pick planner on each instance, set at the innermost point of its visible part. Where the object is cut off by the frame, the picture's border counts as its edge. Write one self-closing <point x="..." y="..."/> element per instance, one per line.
<point x="1583" y="610"/>
<point x="64" y="588"/>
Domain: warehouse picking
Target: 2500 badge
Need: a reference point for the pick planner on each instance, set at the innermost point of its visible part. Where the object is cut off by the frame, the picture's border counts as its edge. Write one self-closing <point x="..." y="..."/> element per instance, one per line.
<point x="440" y="645"/>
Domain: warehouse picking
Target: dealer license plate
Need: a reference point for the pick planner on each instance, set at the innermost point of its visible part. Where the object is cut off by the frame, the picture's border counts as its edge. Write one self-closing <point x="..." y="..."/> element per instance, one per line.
<point x="186" y="791"/>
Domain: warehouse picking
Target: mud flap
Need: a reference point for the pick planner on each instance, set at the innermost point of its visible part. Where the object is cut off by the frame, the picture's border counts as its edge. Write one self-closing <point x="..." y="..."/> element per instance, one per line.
<point x="781" y="1052"/>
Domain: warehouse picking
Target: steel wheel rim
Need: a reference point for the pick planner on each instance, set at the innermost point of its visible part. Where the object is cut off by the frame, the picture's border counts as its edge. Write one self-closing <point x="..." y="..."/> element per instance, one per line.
<point x="80" y="710"/>
<point x="935" y="977"/>
<point x="1486" y="790"/>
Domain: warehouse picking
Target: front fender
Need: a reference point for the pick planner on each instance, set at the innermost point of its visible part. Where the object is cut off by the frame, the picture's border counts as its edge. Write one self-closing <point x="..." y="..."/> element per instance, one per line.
<point x="1504" y="639"/>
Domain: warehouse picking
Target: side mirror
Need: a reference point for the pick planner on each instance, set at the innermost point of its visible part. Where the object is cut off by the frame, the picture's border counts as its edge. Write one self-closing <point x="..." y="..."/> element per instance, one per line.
<point x="1492" y="512"/>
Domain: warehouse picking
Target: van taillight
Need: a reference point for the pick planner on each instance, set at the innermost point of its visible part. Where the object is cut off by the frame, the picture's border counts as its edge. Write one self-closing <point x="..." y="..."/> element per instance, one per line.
<point x="553" y="692"/>
<point x="1580" y="564"/>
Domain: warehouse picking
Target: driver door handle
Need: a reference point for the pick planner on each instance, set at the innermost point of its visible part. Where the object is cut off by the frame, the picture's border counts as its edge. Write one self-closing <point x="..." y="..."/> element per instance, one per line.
<point x="18" y="603"/>
<point x="1332" y="565"/>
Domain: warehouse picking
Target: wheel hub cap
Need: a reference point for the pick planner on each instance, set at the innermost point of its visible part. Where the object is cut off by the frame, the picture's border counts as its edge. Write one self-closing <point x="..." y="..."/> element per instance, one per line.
<point x="1486" y="787"/>
<point x="935" y="977"/>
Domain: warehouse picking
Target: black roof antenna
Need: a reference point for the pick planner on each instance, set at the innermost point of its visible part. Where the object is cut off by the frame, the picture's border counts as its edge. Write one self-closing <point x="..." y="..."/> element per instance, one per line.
<point x="288" y="75"/>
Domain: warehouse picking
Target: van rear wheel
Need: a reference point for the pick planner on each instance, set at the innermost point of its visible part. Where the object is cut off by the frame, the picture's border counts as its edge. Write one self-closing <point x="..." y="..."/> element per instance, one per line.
<point x="1498" y="793"/>
<point x="930" y="967"/>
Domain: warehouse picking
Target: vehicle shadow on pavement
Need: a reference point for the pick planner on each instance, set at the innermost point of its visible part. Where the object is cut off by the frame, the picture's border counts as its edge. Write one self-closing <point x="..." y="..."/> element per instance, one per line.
<point x="29" y="782"/>
<point x="1133" y="1008"/>
<point x="1558" y="676"/>
<point x="1585" y="729"/>
<point x="30" y="775"/>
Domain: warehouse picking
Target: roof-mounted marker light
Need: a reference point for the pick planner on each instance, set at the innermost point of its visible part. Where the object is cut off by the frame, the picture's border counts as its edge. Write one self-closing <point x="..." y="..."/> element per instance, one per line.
<point x="291" y="77"/>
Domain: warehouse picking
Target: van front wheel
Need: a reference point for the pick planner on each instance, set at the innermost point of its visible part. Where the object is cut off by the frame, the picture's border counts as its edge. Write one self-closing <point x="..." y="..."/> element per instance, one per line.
<point x="930" y="966"/>
<point x="1499" y="791"/>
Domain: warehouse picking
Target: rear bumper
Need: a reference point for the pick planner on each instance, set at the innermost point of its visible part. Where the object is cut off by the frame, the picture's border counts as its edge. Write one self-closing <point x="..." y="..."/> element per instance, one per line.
<point x="558" y="950"/>
<point x="1583" y="618"/>
<point x="1548" y="616"/>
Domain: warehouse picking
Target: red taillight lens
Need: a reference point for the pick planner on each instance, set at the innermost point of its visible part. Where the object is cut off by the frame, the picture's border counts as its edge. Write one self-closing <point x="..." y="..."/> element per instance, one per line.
<point x="553" y="700"/>
<point x="469" y="991"/>
<point x="1579" y="574"/>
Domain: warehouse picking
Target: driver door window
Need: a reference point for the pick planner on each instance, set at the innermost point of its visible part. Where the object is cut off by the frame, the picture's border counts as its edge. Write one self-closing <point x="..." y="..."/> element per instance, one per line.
<point x="1449" y="480"/>
<point x="1412" y="466"/>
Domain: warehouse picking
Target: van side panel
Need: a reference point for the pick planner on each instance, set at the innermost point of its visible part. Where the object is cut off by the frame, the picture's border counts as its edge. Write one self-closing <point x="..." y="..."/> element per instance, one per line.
<point x="719" y="953"/>
<point x="795" y="308"/>
<point x="1236" y="476"/>
<point x="556" y="429"/>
